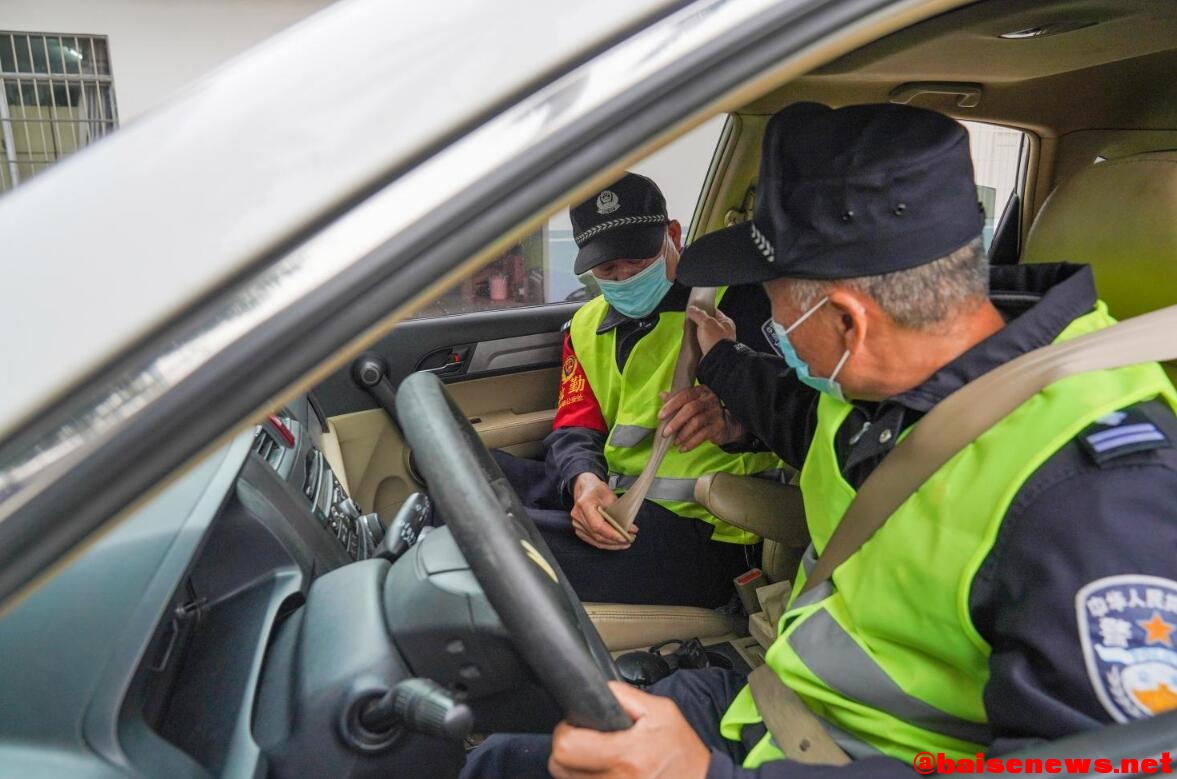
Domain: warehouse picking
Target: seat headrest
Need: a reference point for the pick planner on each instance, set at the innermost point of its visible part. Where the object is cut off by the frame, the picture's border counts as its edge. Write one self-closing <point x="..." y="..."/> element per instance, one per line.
<point x="1120" y="217"/>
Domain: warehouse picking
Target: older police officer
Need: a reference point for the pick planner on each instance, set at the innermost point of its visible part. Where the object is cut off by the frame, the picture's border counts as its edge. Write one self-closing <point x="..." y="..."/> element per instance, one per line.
<point x="1009" y="605"/>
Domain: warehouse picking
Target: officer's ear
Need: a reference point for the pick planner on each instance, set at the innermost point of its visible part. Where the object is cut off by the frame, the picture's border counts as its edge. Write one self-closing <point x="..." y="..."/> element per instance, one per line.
<point x="851" y="311"/>
<point x="674" y="230"/>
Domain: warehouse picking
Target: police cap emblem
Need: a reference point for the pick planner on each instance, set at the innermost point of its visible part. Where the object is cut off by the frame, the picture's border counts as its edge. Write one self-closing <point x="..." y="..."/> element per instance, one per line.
<point x="607" y="202"/>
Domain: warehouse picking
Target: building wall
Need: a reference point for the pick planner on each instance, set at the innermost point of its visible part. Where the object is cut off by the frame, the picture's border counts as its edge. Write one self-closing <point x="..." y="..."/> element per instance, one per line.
<point x="157" y="46"/>
<point x="996" y="155"/>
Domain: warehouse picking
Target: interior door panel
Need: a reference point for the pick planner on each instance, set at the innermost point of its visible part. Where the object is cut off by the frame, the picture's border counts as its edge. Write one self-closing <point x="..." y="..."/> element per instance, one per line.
<point x="502" y="368"/>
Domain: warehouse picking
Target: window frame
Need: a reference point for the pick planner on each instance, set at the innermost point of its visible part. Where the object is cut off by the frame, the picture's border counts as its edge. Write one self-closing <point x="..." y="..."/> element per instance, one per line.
<point x="95" y="89"/>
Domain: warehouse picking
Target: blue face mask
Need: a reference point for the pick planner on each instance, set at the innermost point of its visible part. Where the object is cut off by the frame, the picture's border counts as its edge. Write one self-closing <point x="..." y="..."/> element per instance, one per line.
<point x="640" y="293"/>
<point x="828" y="386"/>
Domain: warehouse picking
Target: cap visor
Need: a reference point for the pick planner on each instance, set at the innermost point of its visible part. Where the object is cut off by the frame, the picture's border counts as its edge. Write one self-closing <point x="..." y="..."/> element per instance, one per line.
<point x="724" y="257"/>
<point x="621" y="243"/>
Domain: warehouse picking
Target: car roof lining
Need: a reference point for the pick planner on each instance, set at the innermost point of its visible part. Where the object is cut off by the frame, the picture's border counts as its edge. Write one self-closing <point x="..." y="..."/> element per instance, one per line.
<point x="1050" y="85"/>
<point x="1067" y="91"/>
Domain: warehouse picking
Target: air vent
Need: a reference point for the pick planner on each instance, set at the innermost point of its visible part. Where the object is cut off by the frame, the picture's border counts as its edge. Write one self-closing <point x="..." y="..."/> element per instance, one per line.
<point x="269" y="449"/>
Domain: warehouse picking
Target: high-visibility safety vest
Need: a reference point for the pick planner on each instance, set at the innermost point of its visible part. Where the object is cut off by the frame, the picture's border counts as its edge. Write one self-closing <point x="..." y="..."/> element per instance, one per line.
<point x="629" y="403"/>
<point x="887" y="654"/>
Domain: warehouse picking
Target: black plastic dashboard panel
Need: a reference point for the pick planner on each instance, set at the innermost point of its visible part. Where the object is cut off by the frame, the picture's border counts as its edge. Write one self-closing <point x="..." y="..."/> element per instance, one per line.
<point x="158" y="631"/>
<point x="104" y="605"/>
<point x="335" y="653"/>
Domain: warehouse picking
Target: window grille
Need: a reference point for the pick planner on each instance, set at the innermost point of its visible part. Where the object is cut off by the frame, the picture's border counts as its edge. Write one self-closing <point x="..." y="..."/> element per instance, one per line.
<point x="56" y="96"/>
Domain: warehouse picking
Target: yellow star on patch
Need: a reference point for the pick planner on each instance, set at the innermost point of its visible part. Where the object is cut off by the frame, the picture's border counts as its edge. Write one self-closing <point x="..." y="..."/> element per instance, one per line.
<point x="1157" y="629"/>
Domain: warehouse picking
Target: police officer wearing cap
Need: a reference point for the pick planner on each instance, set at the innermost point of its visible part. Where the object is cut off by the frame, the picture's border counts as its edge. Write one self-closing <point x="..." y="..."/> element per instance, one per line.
<point x="1027" y="591"/>
<point x="619" y="355"/>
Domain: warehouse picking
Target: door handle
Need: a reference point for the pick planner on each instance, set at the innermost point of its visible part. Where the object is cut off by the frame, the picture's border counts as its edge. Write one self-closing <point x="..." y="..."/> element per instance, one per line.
<point x="450" y="361"/>
<point x="447" y="369"/>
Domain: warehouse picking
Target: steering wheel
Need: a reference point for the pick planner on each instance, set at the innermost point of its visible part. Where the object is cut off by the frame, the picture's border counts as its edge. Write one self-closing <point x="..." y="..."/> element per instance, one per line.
<point x="505" y="551"/>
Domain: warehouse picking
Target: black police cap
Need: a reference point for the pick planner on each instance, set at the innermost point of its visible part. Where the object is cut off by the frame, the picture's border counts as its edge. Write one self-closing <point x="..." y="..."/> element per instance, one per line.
<point x="624" y="221"/>
<point x="846" y="193"/>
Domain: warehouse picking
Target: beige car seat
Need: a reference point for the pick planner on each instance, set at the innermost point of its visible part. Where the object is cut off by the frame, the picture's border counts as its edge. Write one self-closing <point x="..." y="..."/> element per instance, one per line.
<point x="1120" y="217"/>
<point x="769" y="509"/>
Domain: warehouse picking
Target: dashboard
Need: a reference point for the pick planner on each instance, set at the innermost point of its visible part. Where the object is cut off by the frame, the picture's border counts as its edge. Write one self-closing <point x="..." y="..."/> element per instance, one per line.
<point x="230" y="620"/>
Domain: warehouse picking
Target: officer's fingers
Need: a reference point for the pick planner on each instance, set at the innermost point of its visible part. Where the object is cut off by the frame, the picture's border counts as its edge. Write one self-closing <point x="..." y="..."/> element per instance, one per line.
<point x="680" y="407"/>
<point x="707" y="427"/>
<point x="571" y="753"/>
<point x="723" y="323"/>
<point x="699" y="407"/>
<point x="604" y="530"/>
<point x="701" y="317"/>
<point x="672" y="403"/>
<point x="711" y="430"/>
<point x="606" y="497"/>
<point x="578" y="753"/>
<point x="599" y="543"/>
<point x="685" y="422"/>
<point x="579" y="514"/>
<point x="635" y="702"/>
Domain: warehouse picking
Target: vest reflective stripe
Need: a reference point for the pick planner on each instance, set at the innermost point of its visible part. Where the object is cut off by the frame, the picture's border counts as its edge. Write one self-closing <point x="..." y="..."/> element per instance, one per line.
<point x="818" y="593"/>
<point x="629" y="403"/>
<point x="856" y="748"/>
<point x="629" y="436"/>
<point x="662" y="488"/>
<point x="888" y="652"/>
<point x="829" y="651"/>
<point x="667" y="488"/>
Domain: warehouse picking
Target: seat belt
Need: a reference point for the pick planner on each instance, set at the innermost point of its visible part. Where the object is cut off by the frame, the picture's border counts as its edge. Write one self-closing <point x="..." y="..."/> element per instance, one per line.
<point x="944" y="431"/>
<point x="622" y="513"/>
<point x="968" y="412"/>
<point x="796" y="730"/>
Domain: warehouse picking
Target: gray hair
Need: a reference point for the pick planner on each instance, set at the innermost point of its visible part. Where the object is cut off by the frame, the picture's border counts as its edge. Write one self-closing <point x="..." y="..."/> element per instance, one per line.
<point x="919" y="298"/>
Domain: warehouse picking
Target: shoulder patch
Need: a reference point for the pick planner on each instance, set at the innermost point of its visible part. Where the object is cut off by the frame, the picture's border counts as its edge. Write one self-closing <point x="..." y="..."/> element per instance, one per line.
<point x="1120" y="433"/>
<point x="1127" y="627"/>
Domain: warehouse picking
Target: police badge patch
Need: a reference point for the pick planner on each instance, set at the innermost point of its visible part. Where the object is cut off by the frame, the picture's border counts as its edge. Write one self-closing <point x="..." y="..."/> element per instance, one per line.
<point x="1127" y="625"/>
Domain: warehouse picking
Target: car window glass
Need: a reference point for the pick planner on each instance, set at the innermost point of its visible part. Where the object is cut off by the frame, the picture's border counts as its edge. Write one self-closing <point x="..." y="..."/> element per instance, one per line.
<point x="998" y="157"/>
<point x="538" y="269"/>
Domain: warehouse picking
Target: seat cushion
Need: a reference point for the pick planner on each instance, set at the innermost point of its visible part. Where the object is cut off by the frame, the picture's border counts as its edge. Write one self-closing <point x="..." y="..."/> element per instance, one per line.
<point x="627" y="626"/>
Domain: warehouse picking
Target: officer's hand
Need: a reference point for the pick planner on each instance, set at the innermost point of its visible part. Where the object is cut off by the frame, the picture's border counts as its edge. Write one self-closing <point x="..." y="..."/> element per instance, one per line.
<point x="694" y="415"/>
<point x="660" y="745"/>
<point x="589" y="494"/>
<point x="711" y="329"/>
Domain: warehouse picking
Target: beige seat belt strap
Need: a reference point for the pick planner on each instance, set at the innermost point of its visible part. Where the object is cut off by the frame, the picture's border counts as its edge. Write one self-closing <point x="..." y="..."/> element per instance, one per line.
<point x="796" y="730"/>
<point x="976" y="407"/>
<point x="622" y="513"/>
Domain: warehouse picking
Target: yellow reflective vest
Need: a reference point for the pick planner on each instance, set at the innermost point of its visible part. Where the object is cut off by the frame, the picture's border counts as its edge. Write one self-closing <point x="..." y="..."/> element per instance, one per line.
<point x="629" y="403"/>
<point x="886" y="652"/>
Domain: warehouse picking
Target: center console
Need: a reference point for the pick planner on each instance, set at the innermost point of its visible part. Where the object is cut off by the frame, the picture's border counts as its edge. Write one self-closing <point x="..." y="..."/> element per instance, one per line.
<point x="287" y="445"/>
<point x="334" y="509"/>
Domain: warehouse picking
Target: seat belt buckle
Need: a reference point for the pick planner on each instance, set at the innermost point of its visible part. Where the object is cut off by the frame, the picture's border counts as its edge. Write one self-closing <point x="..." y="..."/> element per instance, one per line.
<point x="746" y="585"/>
